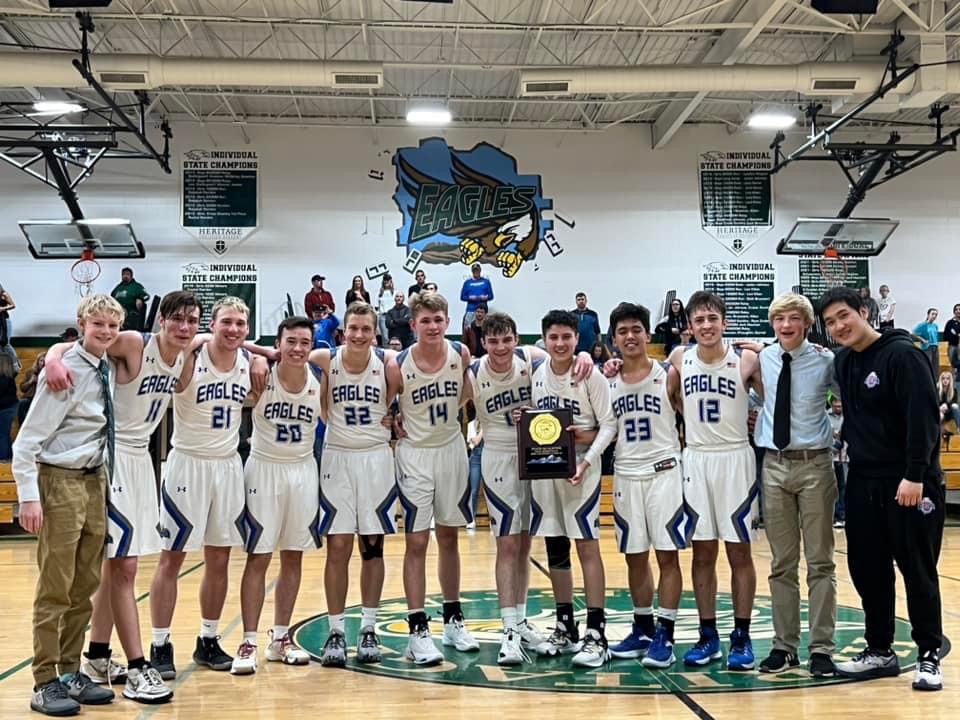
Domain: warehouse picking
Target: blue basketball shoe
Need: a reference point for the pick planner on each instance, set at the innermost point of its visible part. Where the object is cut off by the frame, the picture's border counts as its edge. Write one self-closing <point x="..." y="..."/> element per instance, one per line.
<point x="660" y="654"/>
<point x="706" y="650"/>
<point x="740" y="656"/>
<point x="634" y="645"/>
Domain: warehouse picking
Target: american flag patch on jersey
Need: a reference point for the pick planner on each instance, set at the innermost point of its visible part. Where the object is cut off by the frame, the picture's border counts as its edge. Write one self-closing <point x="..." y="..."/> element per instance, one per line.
<point x="731" y="364"/>
<point x="375" y="372"/>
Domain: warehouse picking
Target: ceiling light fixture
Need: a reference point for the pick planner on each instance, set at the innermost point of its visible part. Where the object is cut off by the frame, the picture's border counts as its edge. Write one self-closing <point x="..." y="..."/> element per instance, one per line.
<point x="772" y="121"/>
<point x="428" y="116"/>
<point x="57" y="107"/>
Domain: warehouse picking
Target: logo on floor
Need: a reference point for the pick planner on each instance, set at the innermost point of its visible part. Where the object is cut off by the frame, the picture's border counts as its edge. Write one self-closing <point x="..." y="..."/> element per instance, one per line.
<point x="556" y="674"/>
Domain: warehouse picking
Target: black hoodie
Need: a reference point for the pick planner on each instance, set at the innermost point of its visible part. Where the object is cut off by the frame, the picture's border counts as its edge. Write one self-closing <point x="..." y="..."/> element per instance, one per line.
<point x="891" y="420"/>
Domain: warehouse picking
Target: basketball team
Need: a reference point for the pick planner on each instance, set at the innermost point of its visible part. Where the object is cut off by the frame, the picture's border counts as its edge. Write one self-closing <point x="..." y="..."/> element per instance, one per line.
<point x="86" y="481"/>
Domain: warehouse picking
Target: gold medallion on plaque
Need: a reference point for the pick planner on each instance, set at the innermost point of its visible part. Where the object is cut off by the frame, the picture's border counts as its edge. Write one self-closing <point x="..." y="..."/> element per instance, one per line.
<point x="545" y="429"/>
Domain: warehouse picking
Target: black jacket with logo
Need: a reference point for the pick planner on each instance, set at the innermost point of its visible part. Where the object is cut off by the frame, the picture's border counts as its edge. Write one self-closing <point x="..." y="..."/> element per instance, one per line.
<point x="891" y="420"/>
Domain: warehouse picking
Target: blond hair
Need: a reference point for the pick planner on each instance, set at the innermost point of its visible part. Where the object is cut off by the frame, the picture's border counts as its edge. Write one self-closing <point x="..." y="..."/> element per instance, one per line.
<point x="359" y="307"/>
<point x="429" y="302"/>
<point x="229" y="301"/>
<point x="100" y="303"/>
<point x="950" y="385"/>
<point x="789" y="302"/>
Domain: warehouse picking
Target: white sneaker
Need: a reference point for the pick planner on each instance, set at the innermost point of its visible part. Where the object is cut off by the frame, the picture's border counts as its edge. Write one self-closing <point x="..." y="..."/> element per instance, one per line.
<point x="511" y="651"/>
<point x="283" y="650"/>
<point x="103" y="671"/>
<point x="559" y="643"/>
<point x="455" y="634"/>
<point x="594" y="652"/>
<point x="146" y="686"/>
<point x="870" y="664"/>
<point x="928" y="675"/>
<point x="245" y="662"/>
<point x="530" y="634"/>
<point x="420" y="648"/>
<point x="368" y="645"/>
<point x="471" y="525"/>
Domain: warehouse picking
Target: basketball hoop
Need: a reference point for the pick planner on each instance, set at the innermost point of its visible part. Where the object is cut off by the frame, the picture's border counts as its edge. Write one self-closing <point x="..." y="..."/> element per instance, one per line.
<point x="85" y="271"/>
<point x="833" y="268"/>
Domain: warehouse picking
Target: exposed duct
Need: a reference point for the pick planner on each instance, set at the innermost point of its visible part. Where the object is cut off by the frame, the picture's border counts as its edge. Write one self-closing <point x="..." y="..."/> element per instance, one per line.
<point x="147" y="72"/>
<point x="817" y="79"/>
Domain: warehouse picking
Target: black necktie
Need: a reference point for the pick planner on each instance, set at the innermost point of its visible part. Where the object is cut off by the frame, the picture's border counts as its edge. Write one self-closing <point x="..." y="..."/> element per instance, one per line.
<point x="104" y="372"/>
<point x="781" y="410"/>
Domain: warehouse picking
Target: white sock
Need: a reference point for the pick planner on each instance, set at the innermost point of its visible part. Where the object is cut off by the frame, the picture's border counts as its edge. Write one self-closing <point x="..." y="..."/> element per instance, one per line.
<point x="368" y="617"/>
<point x="522" y="611"/>
<point x="250" y="637"/>
<point x="208" y="628"/>
<point x="509" y="617"/>
<point x="337" y="622"/>
<point x="667" y="613"/>
<point x="161" y="636"/>
<point x="279" y="631"/>
<point x="642" y="610"/>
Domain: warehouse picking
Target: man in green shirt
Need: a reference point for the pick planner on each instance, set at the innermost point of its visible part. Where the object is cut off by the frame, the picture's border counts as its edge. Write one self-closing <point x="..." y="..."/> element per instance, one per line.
<point x="132" y="296"/>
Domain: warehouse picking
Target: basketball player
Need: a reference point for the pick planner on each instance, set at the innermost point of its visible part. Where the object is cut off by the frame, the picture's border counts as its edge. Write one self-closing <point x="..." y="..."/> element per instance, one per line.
<point x="432" y="475"/>
<point x="647" y="488"/>
<point x="148" y="367"/>
<point x="282" y="503"/>
<point x="570" y="507"/>
<point x="357" y="481"/>
<point x="202" y="492"/>
<point x="720" y="475"/>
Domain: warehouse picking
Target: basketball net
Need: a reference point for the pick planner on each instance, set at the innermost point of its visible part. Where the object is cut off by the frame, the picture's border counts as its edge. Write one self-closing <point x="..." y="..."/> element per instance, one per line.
<point x="84" y="272"/>
<point x="833" y="268"/>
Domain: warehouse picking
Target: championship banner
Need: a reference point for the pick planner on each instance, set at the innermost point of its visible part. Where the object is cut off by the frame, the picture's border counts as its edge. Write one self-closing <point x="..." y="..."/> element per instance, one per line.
<point x="212" y="281"/>
<point x="747" y="289"/>
<point x="220" y="197"/>
<point x="736" y="196"/>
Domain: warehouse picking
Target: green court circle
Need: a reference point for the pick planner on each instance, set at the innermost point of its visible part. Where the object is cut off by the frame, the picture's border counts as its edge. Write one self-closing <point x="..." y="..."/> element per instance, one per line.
<point x="480" y="669"/>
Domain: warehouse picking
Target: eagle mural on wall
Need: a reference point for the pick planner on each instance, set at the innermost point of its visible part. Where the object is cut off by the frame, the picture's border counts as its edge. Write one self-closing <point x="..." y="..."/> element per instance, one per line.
<point x="468" y="206"/>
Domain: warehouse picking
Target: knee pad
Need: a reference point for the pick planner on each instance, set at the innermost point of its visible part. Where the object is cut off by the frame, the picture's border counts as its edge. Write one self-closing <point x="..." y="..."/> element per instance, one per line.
<point x="371" y="548"/>
<point x="558" y="553"/>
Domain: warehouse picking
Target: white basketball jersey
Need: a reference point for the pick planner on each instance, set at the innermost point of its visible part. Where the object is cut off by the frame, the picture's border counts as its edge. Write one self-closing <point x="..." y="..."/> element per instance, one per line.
<point x="284" y="423"/>
<point x="207" y="413"/>
<point x="715" y="402"/>
<point x="559" y="391"/>
<point x="142" y="402"/>
<point x="356" y="404"/>
<point x="646" y="422"/>
<point x="430" y="401"/>
<point x="496" y="395"/>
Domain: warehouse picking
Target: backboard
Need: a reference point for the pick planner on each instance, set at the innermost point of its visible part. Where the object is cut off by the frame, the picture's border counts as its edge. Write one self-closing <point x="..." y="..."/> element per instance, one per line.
<point x="847" y="236"/>
<point x="67" y="239"/>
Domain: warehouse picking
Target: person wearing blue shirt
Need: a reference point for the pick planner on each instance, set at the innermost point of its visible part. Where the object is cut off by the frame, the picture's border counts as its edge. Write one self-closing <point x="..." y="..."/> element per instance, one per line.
<point x="930" y="334"/>
<point x="799" y="486"/>
<point x="475" y="290"/>
<point x="325" y="325"/>
<point x="588" y="323"/>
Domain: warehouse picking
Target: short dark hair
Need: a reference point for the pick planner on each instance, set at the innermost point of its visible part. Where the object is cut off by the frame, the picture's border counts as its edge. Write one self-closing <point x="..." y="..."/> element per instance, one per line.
<point x="956" y="306"/>
<point x="559" y="317"/>
<point x="629" y="311"/>
<point x="294" y="322"/>
<point x="126" y="269"/>
<point x="499" y="323"/>
<point x="844" y="295"/>
<point x="580" y="294"/>
<point x="703" y="300"/>
<point x="483" y="305"/>
<point x="179" y="300"/>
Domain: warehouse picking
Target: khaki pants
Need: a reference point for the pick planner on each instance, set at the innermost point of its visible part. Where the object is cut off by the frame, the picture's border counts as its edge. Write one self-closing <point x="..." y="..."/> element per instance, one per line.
<point x="69" y="554"/>
<point x="798" y="501"/>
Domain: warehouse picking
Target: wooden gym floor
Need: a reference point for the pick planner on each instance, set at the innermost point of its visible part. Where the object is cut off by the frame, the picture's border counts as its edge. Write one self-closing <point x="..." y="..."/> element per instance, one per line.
<point x="288" y="692"/>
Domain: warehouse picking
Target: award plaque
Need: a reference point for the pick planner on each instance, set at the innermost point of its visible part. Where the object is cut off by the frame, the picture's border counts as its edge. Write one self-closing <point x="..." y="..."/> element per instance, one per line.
<point x="545" y="448"/>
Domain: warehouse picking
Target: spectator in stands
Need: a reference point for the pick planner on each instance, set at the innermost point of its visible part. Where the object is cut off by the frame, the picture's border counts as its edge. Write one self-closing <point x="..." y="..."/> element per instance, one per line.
<point x="930" y="334"/>
<point x="70" y="334"/>
<point x="132" y="298"/>
<point x="887" y="307"/>
<point x="473" y="333"/>
<point x="356" y="293"/>
<point x="398" y="321"/>
<point x="325" y="325"/>
<point x="600" y="355"/>
<point x="588" y="322"/>
<point x="317" y="296"/>
<point x="28" y="388"/>
<point x="951" y="333"/>
<point x="8" y="406"/>
<point x="383" y="305"/>
<point x="395" y="344"/>
<point x="6" y="327"/>
<point x="418" y="287"/>
<point x="873" y="312"/>
<point x="430" y="287"/>
<point x="839" y="458"/>
<point x="476" y="289"/>
<point x="949" y="405"/>
<point x="475" y="449"/>
<point x="672" y="326"/>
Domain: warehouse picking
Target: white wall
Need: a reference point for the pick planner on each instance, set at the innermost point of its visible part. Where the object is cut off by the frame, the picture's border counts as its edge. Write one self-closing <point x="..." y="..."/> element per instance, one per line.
<point x="637" y="221"/>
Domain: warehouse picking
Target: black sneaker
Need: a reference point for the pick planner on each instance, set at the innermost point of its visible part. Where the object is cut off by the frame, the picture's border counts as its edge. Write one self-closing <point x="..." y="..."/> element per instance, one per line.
<point x="779" y="661"/>
<point x="210" y="654"/>
<point x="161" y="659"/>
<point x="53" y="699"/>
<point x="86" y="692"/>
<point x="821" y="666"/>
